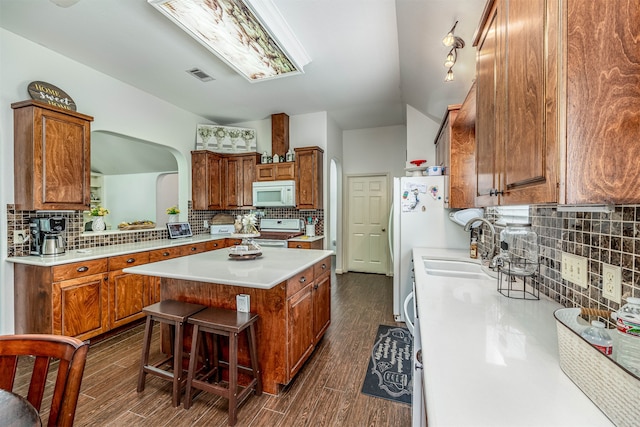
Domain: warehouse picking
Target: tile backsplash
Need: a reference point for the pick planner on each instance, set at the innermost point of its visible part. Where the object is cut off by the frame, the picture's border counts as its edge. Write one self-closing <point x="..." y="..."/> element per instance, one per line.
<point x="603" y="238"/>
<point x="76" y="239"/>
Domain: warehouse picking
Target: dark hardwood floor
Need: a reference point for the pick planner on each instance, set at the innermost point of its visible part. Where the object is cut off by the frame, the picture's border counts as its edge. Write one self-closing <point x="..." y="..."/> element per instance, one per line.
<point x="326" y="392"/>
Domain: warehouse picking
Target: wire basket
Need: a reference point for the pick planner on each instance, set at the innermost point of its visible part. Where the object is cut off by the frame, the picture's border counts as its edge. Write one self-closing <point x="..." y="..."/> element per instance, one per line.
<point x="516" y="278"/>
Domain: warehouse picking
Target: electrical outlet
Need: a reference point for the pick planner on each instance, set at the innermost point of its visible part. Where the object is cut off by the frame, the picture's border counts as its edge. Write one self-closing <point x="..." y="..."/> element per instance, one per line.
<point x="611" y="282"/>
<point x="205" y="223"/>
<point x="20" y="236"/>
<point x="574" y="269"/>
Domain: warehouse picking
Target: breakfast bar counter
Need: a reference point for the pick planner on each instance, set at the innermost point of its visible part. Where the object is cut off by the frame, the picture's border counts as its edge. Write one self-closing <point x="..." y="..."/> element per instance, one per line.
<point x="290" y="289"/>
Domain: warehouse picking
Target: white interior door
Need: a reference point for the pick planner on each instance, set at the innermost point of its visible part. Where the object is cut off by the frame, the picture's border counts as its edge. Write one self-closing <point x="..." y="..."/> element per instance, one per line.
<point x="368" y="210"/>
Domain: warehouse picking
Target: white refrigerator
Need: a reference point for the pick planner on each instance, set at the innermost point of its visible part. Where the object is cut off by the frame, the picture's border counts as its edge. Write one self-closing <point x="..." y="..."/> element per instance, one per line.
<point x="419" y="219"/>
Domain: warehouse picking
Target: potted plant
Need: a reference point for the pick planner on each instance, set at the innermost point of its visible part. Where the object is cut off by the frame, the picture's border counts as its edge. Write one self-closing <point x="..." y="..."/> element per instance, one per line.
<point x="98" y="213"/>
<point x="173" y="212"/>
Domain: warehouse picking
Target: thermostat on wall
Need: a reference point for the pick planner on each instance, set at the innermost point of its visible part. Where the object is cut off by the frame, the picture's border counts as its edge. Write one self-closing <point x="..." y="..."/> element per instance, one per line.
<point x="243" y="303"/>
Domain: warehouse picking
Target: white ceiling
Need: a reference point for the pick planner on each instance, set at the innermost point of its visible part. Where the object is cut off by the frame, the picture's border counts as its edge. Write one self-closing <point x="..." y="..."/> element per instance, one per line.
<point x="369" y="57"/>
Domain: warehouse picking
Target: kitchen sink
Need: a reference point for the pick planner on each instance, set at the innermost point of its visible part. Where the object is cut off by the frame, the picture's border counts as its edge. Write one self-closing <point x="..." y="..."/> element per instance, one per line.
<point x="457" y="268"/>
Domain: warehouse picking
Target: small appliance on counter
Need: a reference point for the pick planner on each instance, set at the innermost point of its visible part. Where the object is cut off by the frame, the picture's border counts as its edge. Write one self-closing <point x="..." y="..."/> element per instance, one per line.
<point x="46" y="236"/>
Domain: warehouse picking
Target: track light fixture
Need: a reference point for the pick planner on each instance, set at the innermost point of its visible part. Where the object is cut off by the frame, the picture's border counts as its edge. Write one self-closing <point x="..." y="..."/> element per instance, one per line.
<point x="455" y="43"/>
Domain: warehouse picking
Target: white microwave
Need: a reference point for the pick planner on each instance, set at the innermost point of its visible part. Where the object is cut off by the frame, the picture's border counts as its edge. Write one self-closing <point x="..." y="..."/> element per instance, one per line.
<point x="267" y="194"/>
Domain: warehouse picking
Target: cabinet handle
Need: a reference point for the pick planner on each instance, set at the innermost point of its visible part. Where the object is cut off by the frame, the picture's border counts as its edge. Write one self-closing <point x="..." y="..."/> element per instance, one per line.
<point x="215" y="245"/>
<point x="298" y="246"/>
<point x="193" y="248"/>
<point x="324" y="266"/>
<point x="315" y="287"/>
<point x="302" y="279"/>
<point x="495" y="192"/>
<point x="82" y="269"/>
<point x="130" y="260"/>
<point x="165" y="254"/>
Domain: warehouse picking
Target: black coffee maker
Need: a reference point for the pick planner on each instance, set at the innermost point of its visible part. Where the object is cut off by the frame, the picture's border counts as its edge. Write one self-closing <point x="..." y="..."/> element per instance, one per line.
<point x="46" y="236"/>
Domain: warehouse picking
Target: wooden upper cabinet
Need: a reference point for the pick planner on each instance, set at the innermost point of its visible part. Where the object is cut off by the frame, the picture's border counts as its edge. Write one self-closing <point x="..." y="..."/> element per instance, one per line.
<point x="52" y="157"/>
<point x="487" y="69"/>
<point x="516" y="126"/>
<point x="309" y="177"/>
<point x="206" y="180"/>
<point x="239" y="172"/>
<point x="602" y="132"/>
<point x="564" y="121"/>
<point x="455" y="152"/>
<point x="275" y="171"/>
<point x="529" y="122"/>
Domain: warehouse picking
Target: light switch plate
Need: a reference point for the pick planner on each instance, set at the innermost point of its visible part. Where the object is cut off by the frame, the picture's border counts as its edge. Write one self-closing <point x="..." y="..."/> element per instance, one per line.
<point x="574" y="269"/>
<point x="243" y="303"/>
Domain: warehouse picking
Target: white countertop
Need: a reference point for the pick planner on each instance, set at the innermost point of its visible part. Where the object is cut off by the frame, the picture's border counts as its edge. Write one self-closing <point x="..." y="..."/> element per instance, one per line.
<point x="274" y="266"/>
<point x="112" y="250"/>
<point x="490" y="360"/>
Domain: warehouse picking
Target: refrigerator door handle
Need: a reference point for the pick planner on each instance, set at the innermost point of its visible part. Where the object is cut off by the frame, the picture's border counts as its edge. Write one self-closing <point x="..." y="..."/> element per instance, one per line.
<point x="390" y="234"/>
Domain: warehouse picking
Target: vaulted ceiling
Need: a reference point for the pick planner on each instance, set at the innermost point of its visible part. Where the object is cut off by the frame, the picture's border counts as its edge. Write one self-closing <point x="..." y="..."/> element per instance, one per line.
<point x="369" y="57"/>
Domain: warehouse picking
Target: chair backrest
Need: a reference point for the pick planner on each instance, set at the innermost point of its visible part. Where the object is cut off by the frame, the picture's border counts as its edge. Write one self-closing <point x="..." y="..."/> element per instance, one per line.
<point x="72" y="354"/>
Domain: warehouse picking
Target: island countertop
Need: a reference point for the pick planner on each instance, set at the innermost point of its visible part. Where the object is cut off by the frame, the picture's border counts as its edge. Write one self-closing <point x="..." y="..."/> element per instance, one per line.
<point x="274" y="266"/>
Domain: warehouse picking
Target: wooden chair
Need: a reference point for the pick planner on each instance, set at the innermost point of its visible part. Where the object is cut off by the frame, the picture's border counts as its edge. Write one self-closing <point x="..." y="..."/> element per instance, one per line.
<point x="72" y="354"/>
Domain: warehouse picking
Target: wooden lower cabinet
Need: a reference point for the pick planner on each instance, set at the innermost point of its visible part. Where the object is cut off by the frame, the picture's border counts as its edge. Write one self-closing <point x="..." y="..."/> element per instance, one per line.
<point x="128" y="293"/>
<point x="86" y="299"/>
<point x="299" y="329"/>
<point x="79" y="307"/>
<point x="294" y="315"/>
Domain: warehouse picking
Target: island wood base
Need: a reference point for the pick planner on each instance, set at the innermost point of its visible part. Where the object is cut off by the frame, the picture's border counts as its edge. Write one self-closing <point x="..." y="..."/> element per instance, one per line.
<point x="294" y="316"/>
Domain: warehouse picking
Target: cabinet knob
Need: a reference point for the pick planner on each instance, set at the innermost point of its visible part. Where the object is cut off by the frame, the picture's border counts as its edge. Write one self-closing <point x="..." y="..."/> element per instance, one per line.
<point x="165" y="253"/>
<point x="193" y="248"/>
<point x="298" y="246"/>
<point x="215" y="245"/>
<point x="82" y="269"/>
<point x="130" y="260"/>
<point x="324" y="266"/>
<point x="302" y="279"/>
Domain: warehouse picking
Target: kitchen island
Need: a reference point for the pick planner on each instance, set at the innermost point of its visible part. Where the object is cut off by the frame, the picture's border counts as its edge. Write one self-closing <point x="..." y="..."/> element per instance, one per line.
<point x="290" y="289"/>
<point x="490" y="360"/>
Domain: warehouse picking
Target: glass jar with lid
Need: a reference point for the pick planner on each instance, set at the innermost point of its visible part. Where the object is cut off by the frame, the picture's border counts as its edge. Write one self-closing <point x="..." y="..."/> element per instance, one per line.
<point x="519" y="249"/>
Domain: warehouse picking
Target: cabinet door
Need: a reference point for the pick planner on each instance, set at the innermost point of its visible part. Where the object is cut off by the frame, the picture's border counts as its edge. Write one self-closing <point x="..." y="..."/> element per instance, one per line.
<point x="309" y="178"/>
<point x="265" y="172"/>
<point x="300" y="328"/>
<point x="487" y="67"/>
<point x="206" y="180"/>
<point x="232" y="184"/>
<point x="52" y="157"/>
<point x="128" y="295"/>
<point x="460" y="177"/>
<point x="321" y="305"/>
<point x="80" y="306"/>
<point x="248" y="176"/>
<point x="530" y="141"/>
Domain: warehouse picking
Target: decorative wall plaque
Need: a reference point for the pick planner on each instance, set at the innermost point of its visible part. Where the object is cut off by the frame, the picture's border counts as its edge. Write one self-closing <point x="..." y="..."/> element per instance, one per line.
<point x="50" y="94"/>
<point x="225" y="139"/>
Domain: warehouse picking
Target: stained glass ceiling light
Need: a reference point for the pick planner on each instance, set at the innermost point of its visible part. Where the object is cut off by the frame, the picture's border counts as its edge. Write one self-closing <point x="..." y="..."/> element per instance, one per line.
<point x="251" y="36"/>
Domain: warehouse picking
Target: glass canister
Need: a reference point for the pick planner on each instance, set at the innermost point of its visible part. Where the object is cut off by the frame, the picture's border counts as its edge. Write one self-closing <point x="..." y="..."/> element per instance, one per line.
<point x="519" y="247"/>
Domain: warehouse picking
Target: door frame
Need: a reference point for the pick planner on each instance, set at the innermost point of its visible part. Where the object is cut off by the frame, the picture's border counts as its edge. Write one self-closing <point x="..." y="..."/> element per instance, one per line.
<point x="346" y="198"/>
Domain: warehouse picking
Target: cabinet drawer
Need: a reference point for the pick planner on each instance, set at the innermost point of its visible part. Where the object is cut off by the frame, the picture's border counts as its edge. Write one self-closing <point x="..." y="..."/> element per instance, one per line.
<point x="216" y="244"/>
<point x="165" y="253"/>
<point x="79" y="269"/>
<point x="299" y="245"/>
<point x="129" y="260"/>
<point x="194" y="248"/>
<point x="322" y="267"/>
<point x="299" y="281"/>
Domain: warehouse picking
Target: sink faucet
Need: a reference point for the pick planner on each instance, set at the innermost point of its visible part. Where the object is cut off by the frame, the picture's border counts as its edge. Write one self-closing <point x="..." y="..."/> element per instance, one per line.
<point x="491" y="254"/>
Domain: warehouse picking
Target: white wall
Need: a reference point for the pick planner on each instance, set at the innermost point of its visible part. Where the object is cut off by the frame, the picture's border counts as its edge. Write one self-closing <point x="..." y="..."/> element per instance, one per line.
<point x="116" y="107"/>
<point x="167" y="190"/>
<point x="136" y="203"/>
<point x="421" y="134"/>
<point x="375" y="150"/>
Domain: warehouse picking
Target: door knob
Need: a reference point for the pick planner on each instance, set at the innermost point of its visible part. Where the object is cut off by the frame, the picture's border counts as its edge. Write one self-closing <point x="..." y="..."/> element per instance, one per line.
<point x="384" y="229"/>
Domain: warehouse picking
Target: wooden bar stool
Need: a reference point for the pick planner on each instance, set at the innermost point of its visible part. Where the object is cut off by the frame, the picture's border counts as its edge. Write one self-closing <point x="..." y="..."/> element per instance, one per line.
<point x="174" y="313"/>
<point x="230" y="323"/>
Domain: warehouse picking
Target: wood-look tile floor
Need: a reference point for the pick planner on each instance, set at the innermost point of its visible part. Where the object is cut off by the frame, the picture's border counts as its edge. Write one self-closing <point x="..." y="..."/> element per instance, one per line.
<point x="326" y="392"/>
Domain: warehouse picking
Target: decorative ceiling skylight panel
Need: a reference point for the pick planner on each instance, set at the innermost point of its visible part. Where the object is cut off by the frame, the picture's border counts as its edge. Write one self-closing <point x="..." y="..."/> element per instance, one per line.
<point x="251" y="36"/>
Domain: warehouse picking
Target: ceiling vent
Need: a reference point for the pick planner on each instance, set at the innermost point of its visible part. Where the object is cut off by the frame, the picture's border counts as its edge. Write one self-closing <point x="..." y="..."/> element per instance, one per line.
<point x="199" y="74"/>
